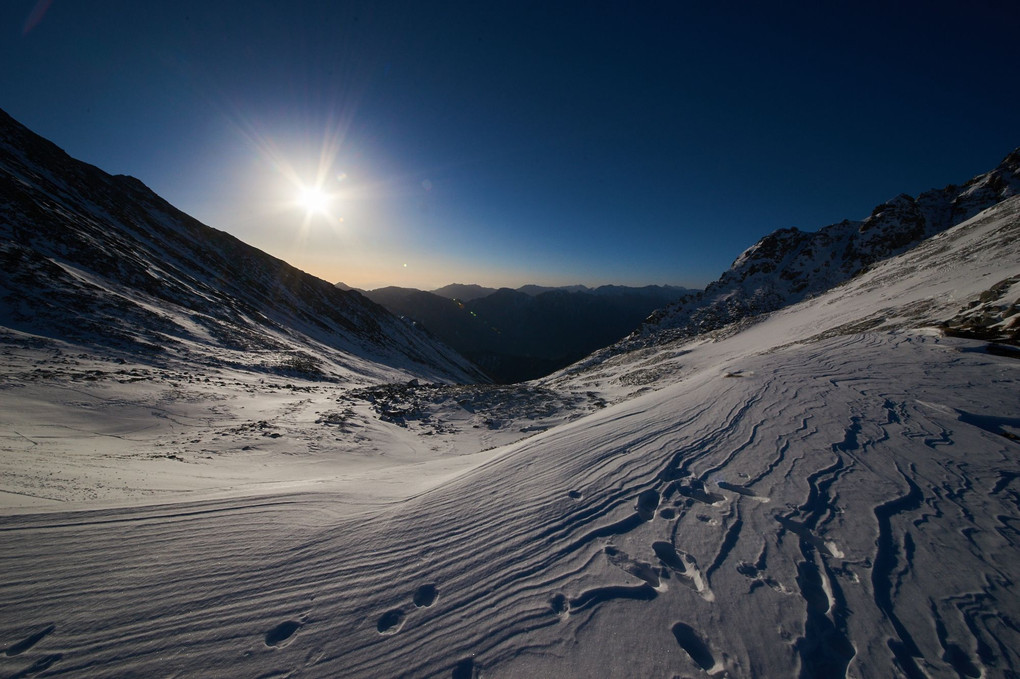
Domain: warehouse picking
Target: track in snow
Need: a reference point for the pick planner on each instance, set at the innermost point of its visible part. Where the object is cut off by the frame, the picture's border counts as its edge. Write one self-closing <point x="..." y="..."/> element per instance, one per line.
<point x="844" y="506"/>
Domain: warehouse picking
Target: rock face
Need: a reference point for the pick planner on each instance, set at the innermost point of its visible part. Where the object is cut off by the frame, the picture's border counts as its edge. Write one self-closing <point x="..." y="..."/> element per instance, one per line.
<point x="789" y="265"/>
<point x="103" y="262"/>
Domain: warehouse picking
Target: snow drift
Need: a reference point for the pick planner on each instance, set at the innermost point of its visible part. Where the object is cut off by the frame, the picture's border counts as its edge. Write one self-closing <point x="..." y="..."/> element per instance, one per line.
<point x="827" y="490"/>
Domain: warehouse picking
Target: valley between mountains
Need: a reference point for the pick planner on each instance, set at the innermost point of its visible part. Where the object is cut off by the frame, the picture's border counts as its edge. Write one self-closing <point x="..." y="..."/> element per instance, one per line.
<point x="827" y="487"/>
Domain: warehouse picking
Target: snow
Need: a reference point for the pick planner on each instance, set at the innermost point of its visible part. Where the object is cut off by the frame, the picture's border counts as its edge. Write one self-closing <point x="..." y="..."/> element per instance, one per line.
<point x="789" y="265"/>
<point x="102" y="263"/>
<point x="830" y="490"/>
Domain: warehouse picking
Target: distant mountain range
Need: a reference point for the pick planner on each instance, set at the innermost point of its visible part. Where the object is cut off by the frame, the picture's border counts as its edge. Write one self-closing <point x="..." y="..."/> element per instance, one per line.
<point x="469" y="292"/>
<point x="103" y="263"/>
<point x="517" y="335"/>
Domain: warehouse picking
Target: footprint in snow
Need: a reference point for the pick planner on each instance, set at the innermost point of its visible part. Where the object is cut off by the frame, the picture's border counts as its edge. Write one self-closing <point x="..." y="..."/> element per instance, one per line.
<point x="647" y="503"/>
<point x="696" y="647"/>
<point x="282" y="633"/>
<point x="425" y="596"/>
<point x="668" y="556"/>
<point x="39" y="666"/>
<point x="29" y="641"/>
<point x="391" y="621"/>
<point x="639" y="569"/>
<point x="695" y="490"/>
<point x="465" y="669"/>
<point x="685" y="566"/>
<point x="828" y="547"/>
<point x="757" y="577"/>
<point x="741" y="490"/>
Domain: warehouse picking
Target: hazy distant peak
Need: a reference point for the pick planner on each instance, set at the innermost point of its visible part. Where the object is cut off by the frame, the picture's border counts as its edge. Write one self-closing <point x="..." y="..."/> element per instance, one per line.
<point x="533" y="290"/>
<point x="463" y="291"/>
<point x="468" y="292"/>
<point x="668" y="290"/>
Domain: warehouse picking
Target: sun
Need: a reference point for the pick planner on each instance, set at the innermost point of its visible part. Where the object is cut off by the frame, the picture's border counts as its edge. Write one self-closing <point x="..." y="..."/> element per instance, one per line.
<point x="314" y="200"/>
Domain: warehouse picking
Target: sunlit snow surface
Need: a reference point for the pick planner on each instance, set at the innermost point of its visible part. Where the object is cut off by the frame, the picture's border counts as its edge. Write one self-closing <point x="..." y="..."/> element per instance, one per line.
<point x="832" y="491"/>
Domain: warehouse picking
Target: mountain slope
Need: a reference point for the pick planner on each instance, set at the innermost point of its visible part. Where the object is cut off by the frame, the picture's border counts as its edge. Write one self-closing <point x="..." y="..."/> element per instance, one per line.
<point x="964" y="281"/>
<point x="104" y="262"/>
<point x="831" y="492"/>
<point x="789" y="265"/>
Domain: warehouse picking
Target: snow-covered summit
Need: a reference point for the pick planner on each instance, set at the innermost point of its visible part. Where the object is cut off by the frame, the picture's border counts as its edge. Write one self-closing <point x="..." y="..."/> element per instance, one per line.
<point x="789" y="265"/>
<point x="102" y="262"/>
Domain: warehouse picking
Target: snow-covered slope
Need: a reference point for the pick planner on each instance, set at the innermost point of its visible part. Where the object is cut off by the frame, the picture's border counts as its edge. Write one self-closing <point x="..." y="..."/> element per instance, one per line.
<point x="789" y="265"/>
<point x="102" y="262"/>
<point x="963" y="281"/>
<point x="830" y="492"/>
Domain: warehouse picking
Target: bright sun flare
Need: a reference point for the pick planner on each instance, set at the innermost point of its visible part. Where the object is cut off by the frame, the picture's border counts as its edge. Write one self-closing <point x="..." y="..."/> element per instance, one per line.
<point x="314" y="200"/>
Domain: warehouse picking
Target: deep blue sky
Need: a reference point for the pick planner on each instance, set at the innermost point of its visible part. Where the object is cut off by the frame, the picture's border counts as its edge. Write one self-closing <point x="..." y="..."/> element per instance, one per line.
<point x="512" y="143"/>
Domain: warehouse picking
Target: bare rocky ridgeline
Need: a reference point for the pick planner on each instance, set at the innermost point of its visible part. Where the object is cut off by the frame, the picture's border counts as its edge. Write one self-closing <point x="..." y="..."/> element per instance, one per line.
<point x="789" y="265"/>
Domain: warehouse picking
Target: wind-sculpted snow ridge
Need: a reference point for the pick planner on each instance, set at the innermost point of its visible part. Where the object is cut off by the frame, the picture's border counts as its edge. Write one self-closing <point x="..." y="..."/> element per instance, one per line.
<point x="830" y="493"/>
<point x="789" y="265"/>
<point x="103" y="262"/>
<point x="842" y="509"/>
